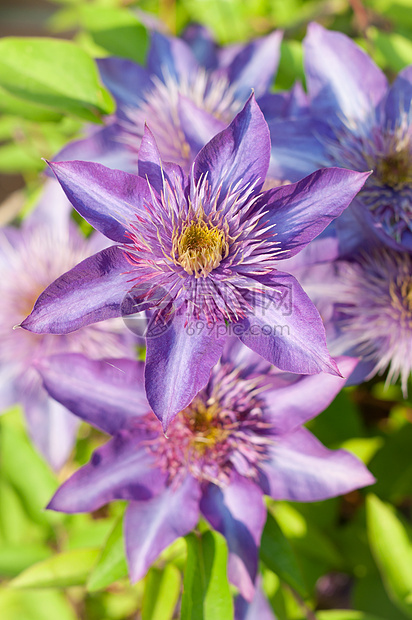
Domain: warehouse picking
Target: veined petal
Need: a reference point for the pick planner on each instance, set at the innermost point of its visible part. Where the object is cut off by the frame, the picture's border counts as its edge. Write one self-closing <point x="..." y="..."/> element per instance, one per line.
<point x="285" y="328"/>
<point x="121" y="469"/>
<point x="255" y="66"/>
<point x="198" y="125"/>
<point x="202" y="44"/>
<point x="108" y="394"/>
<point x="150" y="526"/>
<point x="239" y="155"/>
<point x="301" y="211"/>
<point x="399" y="99"/>
<point x="101" y="146"/>
<point x="170" y="56"/>
<point x="126" y="80"/>
<point x="106" y="198"/>
<point x="178" y="365"/>
<point x="296" y="403"/>
<point x="151" y="166"/>
<point x="301" y="469"/>
<point x="296" y="150"/>
<point x="340" y="76"/>
<point x="90" y="292"/>
<point x="237" y="511"/>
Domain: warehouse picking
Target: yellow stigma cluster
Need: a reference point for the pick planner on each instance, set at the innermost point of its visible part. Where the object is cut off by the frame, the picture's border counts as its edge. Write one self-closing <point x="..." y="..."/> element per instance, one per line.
<point x="401" y="298"/>
<point x="204" y="423"/>
<point x="200" y="248"/>
<point x="395" y="168"/>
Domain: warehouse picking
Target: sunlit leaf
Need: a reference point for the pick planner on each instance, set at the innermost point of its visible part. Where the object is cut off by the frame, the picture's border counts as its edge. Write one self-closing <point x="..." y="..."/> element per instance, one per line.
<point x="277" y="553"/>
<point x="70" y="568"/>
<point x="206" y="593"/>
<point x="55" y="74"/>
<point x="112" y="562"/>
<point x="392" y="550"/>
<point x="161" y="593"/>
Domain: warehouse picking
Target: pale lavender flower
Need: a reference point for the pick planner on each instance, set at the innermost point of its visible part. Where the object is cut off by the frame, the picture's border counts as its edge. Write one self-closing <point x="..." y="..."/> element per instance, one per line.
<point x="358" y="121"/>
<point x="203" y="254"/>
<point x="242" y="437"/>
<point x="31" y="257"/>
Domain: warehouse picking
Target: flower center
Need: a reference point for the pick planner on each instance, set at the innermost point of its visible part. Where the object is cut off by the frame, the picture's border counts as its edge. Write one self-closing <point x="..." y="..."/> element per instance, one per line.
<point x="395" y="169"/>
<point x="200" y="248"/>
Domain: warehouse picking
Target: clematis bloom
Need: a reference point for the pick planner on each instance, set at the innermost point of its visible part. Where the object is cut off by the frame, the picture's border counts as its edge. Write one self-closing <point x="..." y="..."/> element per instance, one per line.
<point x="242" y="437"/>
<point x="31" y="257"/>
<point x="203" y="254"/>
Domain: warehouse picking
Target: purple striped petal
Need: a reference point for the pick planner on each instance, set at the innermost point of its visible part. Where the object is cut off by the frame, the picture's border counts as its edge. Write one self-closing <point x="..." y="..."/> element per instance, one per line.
<point x="340" y="76"/>
<point x="198" y="125"/>
<point x="286" y="329"/>
<point x="255" y="66"/>
<point x="90" y="292"/>
<point x="101" y="146"/>
<point x="151" y="526"/>
<point x="170" y="56"/>
<point x="300" y="468"/>
<point x="238" y="155"/>
<point x="202" y="44"/>
<point x="293" y="405"/>
<point x="106" y="198"/>
<point x="399" y="99"/>
<point x="121" y="469"/>
<point x="178" y="366"/>
<point x="153" y="169"/>
<point x="237" y="511"/>
<point x="258" y="609"/>
<point x="108" y="394"/>
<point x="301" y="211"/>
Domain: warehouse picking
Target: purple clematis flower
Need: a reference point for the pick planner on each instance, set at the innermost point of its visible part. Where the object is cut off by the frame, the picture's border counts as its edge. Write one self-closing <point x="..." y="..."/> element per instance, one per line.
<point x="203" y="254"/>
<point x="366" y="304"/>
<point x="190" y="90"/>
<point x="356" y="121"/>
<point x="242" y="437"/>
<point x="31" y="257"/>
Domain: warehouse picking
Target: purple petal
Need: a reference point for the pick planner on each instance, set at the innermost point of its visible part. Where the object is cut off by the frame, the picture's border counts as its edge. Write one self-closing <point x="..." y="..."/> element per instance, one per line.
<point x="301" y="400"/>
<point x="150" y="526"/>
<point x="202" y="45"/>
<point x="51" y="426"/>
<point x="105" y="393"/>
<point x="286" y="329"/>
<point x="198" y="125"/>
<point x="121" y="469"/>
<point x="255" y="66"/>
<point x="151" y="166"/>
<point x="301" y="469"/>
<point x="90" y="292"/>
<point x="238" y="155"/>
<point x="103" y="147"/>
<point x="178" y="366"/>
<point x="296" y="149"/>
<point x="106" y="198"/>
<point x="125" y="79"/>
<point x="170" y="56"/>
<point x="285" y="105"/>
<point x="340" y="76"/>
<point x="301" y="211"/>
<point x="237" y="511"/>
<point x="399" y="99"/>
<point x="258" y="609"/>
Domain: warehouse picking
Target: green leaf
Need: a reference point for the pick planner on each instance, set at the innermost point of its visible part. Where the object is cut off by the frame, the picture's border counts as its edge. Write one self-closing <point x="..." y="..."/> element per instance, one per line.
<point x="9" y="104"/>
<point x="277" y="553"/>
<point x="55" y="74"/>
<point x="26" y="471"/>
<point x="70" y="568"/>
<point x="345" y="614"/>
<point x="40" y="605"/>
<point x="290" y="65"/>
<point x="111" y="565"/>
<point x="16" y="558"/>
<point x="206" y="592"/>
<point x="116" y="30"/>
<point x="16" y="157"/>
<point x="394" y="51"/>
<point x="392" y="550"/>
<point x="161" y="593"/>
